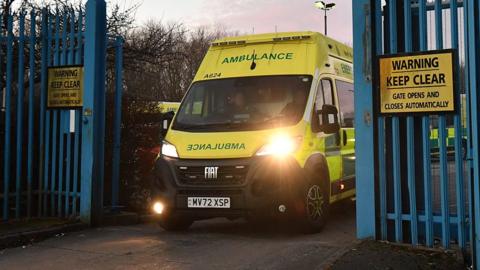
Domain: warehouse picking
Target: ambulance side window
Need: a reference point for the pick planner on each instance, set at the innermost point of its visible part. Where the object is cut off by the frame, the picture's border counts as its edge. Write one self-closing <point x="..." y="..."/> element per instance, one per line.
<point x="345" y="100"/>
<point x="324" y="94"/>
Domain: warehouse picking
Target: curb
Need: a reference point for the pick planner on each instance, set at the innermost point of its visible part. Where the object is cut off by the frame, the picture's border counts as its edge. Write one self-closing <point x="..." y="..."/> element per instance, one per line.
<point x="24" y="238"/>
<point x="29" y="237"/>
<point x="393" y="255"/>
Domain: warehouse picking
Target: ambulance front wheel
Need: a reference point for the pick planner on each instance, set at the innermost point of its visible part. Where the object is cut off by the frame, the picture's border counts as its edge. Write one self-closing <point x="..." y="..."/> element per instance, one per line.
<point x="316" y="201"/>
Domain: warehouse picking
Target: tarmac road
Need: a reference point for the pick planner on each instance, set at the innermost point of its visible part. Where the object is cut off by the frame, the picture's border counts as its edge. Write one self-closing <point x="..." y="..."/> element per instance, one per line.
<point x="211" y="244"/>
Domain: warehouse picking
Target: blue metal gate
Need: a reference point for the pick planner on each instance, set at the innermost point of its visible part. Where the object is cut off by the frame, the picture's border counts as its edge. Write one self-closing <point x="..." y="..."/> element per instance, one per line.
<point x="418" y="176"/>
<point x="53" y="158"/>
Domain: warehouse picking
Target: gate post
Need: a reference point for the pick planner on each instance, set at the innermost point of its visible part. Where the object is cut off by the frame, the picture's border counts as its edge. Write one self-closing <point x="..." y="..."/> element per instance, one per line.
<point x="93" y="114"/>
<point x="364" y="115"/>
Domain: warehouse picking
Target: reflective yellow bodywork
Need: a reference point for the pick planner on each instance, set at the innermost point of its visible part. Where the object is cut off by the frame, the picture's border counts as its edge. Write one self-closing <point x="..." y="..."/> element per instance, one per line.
<point x="293" y="53"/>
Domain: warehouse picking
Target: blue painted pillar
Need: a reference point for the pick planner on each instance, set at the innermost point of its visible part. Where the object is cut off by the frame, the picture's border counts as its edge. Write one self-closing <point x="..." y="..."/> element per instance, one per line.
<point x="364" y="117"/>
<point x="93" y="114"/>
<point x="8" y="119"/>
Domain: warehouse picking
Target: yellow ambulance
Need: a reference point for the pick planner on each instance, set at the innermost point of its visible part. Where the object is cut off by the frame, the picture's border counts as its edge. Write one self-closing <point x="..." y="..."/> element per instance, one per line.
<point x="265" y="130"/>
<point x="165" y="107"/>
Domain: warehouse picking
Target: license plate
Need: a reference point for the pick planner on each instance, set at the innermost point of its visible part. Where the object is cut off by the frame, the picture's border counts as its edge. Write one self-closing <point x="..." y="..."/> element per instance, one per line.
<point x="208" y="202"/>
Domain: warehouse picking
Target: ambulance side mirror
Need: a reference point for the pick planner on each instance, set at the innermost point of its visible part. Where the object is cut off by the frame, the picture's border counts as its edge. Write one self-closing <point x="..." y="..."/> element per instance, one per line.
<point x="166" y="121"/>
<point x="328" y="118"/>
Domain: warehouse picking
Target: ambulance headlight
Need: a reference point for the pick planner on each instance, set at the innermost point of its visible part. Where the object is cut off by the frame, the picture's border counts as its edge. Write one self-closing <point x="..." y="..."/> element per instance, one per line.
<point x="158" y="208"/>
<point x="169" y="150"/>
<point x="280" y="146"/>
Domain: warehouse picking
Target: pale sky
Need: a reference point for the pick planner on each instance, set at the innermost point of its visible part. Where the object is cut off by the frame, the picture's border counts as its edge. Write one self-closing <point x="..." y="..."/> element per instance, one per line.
<point x="247" y="16"/>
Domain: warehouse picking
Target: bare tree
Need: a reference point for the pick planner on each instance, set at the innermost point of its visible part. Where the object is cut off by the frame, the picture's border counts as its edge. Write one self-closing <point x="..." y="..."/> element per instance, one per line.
<point x="149" y="51"/>
<point x="162" y="60"/>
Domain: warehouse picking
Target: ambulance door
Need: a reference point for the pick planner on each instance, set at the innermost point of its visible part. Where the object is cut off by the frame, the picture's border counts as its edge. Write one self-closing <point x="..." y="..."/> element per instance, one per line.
<point x="329" y="144"/>
<point x="347" y="132"/>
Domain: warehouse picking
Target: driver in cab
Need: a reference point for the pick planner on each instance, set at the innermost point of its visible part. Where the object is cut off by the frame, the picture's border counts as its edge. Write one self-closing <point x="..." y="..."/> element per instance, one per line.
<point x="293" y="111"/>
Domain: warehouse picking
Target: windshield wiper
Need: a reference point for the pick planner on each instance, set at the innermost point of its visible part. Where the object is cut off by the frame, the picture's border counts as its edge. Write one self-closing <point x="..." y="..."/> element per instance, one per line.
<point x="274" y="120"/>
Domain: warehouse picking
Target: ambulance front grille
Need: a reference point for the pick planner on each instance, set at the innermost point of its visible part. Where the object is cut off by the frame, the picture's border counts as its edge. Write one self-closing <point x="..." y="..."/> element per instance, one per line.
<point x="226" y="176"/>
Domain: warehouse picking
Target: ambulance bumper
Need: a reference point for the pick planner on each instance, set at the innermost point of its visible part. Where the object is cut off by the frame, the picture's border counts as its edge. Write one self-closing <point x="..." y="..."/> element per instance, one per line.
<point x="254" y="186"/>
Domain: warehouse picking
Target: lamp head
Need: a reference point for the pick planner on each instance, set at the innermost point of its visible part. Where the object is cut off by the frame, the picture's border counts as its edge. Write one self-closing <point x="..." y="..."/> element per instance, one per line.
<point x="323" y="6"/>
<point x="330" y="5"/>
<point x="319" y="4"/>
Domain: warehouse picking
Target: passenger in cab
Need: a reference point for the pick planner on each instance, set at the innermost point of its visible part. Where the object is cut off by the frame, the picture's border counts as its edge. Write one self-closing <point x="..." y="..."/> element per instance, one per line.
<point x="240" y="109"/>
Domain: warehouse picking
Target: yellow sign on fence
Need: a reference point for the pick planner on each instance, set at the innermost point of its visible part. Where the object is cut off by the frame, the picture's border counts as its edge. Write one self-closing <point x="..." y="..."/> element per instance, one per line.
<point x="65" y="87"/>
<point x="417" y="83"/>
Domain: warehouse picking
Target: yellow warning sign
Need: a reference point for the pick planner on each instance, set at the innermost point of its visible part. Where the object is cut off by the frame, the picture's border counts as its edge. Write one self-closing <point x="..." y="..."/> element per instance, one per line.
<point x="417" y="83"/>
<point x="65" y="87"/>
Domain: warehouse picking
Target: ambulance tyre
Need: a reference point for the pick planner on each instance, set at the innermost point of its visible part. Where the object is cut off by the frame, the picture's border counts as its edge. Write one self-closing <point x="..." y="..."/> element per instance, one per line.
<point x="172" y="222"/>
<point x="316" y="197"/>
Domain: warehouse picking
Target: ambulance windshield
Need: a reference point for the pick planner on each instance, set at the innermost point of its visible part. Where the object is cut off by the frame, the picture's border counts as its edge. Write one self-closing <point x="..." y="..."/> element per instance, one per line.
<point x="246" y="103"/>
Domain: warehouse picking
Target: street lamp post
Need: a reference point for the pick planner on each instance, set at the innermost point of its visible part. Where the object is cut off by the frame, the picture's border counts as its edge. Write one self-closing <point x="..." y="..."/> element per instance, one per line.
<point x="325" y="7"/>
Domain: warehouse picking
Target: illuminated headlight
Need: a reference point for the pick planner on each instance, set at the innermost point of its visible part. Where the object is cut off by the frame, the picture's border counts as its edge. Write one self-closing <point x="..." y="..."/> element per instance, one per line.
<point x="169" y="150"/>
<point x="280" y="146"/>
<point x="158" y="208"/>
